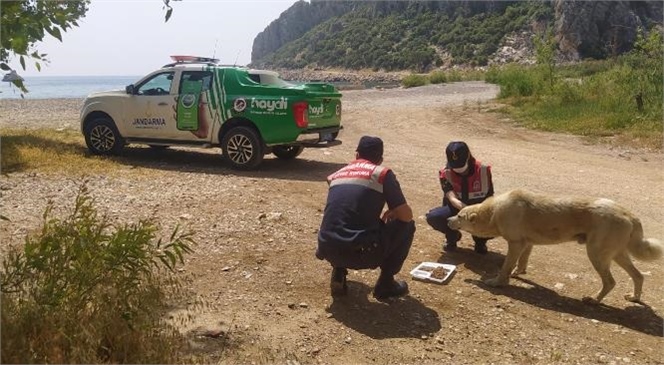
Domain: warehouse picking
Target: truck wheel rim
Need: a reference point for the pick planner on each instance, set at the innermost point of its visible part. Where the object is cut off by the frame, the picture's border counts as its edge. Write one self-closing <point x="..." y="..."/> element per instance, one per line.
<point x="102" y="138"/>
<point x="240" y="149"/>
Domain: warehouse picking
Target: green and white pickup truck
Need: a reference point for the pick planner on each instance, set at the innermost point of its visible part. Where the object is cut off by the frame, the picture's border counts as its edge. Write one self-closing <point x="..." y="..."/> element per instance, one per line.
<point x="195" y="101"/>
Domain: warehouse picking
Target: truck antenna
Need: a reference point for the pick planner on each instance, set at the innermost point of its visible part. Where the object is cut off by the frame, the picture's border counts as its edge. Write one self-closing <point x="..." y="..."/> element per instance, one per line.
<point x="236" y="57"/>
<point x="214" y="52"/>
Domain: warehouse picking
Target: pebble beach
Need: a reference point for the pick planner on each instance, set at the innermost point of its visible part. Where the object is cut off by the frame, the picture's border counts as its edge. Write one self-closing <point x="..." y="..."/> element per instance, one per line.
<point x="40" y="113"/>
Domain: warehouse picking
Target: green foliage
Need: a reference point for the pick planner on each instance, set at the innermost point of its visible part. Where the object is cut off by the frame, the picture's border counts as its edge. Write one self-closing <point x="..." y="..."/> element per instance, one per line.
<point x="85" y="291"/>
<point x="414" y="80"/>
<point x="437" y="77"/>
<point x="617" y="97"/>
<point x="25" y="23"/>
<point x="582" y="69"/>
<point x="545" y="51"/>
<point x="644" y="72"/>
<point x="515" y="80"/>
<point x="408" y="35"/>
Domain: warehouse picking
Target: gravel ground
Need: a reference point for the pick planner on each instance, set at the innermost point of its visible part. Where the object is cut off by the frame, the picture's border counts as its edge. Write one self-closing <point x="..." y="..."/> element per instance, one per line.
<point x="255" y="269"/>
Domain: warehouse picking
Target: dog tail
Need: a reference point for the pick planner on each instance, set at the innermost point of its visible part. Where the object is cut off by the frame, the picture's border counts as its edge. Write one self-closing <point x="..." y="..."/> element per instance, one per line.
<point x="644" y="249"/>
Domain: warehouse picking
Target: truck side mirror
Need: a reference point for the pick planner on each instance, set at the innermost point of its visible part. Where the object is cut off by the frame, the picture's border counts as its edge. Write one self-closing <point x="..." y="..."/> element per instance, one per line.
<point x="130" y="89"/>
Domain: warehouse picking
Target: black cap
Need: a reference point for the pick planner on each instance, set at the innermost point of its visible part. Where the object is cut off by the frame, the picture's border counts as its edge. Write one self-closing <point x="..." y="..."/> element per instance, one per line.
<point x="457" y="154"/>
<point x="370" y="148"/>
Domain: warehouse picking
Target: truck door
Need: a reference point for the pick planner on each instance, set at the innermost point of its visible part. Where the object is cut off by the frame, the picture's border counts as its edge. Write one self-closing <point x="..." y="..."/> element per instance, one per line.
<point x="150" y="109"/>
<point x="193" y="114"/>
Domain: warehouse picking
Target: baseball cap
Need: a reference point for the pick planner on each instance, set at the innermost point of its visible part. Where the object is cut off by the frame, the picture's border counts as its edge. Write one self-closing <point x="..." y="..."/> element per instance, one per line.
<point x="370" y="148"/>
<point x="457" y="154"/>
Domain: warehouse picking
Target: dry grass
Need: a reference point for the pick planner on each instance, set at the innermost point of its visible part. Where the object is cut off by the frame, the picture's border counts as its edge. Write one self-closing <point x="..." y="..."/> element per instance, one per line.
<point x="49" y="150"/>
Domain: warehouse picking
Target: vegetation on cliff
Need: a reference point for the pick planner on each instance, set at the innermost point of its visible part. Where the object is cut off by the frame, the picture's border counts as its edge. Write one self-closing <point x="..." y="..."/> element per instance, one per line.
<point x="619" y="98"/>
<point x="409" y="35"/>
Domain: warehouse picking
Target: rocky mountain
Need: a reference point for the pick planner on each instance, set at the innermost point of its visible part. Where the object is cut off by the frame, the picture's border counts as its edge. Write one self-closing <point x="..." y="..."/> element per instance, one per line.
<point x="598" y="29"/>
<point x="422" y="35"/>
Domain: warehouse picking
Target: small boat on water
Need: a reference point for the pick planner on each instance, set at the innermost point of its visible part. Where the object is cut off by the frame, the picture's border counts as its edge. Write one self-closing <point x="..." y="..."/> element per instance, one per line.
<point x="12" y="76"/>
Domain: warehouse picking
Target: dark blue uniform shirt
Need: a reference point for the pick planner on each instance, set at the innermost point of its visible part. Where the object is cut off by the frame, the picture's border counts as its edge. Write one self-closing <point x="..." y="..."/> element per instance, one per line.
<point x="352" y="213"/>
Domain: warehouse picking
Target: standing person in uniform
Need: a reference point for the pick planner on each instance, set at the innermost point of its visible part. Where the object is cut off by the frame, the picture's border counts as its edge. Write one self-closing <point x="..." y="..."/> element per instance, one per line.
<point x="465" y="181"/>
<point x="354" y="235"/>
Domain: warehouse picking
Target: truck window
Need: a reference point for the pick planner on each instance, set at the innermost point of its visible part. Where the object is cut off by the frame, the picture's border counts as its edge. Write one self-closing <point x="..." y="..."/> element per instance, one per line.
<point x="205" y="77"/>
<point x="268" y="79"/>
<point x="159" y="84"/>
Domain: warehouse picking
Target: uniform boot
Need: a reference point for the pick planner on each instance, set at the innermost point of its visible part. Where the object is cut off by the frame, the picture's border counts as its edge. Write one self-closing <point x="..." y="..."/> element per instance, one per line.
<point x="387" y="287"/>
<point x="338" y="286"/>
<point x="451" y="241"/>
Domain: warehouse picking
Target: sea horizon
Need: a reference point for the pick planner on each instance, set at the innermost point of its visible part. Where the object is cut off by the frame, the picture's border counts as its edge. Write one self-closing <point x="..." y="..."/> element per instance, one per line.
<point x="65" y="87"/>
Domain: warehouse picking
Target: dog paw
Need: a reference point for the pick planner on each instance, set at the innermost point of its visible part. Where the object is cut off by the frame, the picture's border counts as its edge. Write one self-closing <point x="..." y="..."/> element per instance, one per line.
<point x="632" y="298"/>
<point x="518" y="272"/>
<point x="590" y="300"/>
<point x="495" y="282"/>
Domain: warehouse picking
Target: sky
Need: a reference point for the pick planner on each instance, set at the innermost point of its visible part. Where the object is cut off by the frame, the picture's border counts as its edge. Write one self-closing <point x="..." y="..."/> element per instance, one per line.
<point x="120" y="37"/>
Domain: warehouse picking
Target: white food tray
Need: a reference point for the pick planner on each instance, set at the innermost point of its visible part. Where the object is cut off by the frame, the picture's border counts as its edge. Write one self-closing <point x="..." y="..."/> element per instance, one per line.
<point x="423" y="271"/>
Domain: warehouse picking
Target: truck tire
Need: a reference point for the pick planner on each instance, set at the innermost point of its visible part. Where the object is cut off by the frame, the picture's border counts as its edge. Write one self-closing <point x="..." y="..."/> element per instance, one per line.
<point x="287" y="152"/>
<point x="102" y="137"/>
<point x="242" y="147"/>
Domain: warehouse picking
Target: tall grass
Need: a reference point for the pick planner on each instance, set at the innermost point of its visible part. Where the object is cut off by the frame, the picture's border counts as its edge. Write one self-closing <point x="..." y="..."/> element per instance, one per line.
<point x="84" y="291"/>
<point x="621" y="97"/>
<point x="441" y="77"/>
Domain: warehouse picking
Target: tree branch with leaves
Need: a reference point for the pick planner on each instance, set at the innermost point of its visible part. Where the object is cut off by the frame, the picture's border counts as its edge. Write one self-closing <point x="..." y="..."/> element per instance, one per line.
<point x="25" y="23"/>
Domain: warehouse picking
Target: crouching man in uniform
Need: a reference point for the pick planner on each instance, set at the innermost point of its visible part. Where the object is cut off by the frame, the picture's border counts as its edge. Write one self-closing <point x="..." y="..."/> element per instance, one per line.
<point x="354" y="235"/>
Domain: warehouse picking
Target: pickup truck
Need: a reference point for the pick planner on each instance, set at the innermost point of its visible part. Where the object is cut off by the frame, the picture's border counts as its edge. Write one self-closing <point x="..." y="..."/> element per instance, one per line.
<point x="194" y="101"/>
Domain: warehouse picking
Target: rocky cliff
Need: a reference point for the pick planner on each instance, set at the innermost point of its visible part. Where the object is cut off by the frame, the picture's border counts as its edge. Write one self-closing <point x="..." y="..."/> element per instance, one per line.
<point x="295" y="22"/>
<point x="420" y="35"/>
<point x="598" y="29"/>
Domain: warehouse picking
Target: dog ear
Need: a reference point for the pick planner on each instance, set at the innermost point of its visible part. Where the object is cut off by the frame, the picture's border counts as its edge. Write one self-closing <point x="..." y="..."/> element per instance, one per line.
<point x="471" y="217"/>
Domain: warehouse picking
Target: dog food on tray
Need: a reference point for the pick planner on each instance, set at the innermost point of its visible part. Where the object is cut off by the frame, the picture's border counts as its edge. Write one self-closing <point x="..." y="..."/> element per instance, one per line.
<point x="433" y="271"/>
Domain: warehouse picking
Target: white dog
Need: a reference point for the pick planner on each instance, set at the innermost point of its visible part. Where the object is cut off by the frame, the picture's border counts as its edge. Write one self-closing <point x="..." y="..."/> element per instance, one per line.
<point x="524" y="219"/>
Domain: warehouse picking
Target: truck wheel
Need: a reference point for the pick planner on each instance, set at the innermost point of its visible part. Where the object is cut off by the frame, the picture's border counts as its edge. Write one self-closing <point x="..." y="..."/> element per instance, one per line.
<point x="242" y="148"/>
<point x="102" y="137"/>
<point x="287" y="152"/>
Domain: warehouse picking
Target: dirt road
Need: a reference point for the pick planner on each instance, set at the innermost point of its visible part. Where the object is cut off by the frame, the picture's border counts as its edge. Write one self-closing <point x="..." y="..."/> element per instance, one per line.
<point x="255" y="266"/>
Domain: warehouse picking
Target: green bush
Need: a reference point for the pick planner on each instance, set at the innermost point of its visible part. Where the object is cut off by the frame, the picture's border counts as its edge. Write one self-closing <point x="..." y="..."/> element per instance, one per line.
<point x="568" y="90"/>
<point x="622" y="97"/>
<point x="585" y="68"/>
<point x="85" y="291"/>
<point x="414" y="80"/>
<point x="515" y="81"/>
<point x="437" y="77"/>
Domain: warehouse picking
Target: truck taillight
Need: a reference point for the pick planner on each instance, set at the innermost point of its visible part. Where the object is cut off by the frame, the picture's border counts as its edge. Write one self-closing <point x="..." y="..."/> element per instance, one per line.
<point x="301" y="114"/>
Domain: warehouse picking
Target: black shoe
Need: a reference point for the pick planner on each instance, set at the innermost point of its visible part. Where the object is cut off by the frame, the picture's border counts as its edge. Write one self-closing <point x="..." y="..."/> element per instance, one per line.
<point x="451" y="242"/>
<point x="390" y="288"/>
<point x="450" y="246"/>
<point x="338" y="286"/>
<point x="480" y="247"/>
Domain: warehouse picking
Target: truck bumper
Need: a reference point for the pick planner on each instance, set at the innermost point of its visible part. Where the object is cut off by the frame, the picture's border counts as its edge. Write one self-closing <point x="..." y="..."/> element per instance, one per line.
<point x="319" y="138"/>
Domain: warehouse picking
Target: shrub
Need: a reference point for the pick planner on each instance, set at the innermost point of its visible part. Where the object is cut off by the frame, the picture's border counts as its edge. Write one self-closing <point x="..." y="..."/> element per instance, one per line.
<point x="414" y="80"/>
<point x="515" y="81"/>
<point x="84" y="291"/>
<point x="437" y="77"/>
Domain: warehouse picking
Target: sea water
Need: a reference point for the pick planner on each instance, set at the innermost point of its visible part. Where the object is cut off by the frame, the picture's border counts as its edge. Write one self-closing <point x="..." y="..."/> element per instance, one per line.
<point x="59" y="87"/>
<point x="55" y="87"/>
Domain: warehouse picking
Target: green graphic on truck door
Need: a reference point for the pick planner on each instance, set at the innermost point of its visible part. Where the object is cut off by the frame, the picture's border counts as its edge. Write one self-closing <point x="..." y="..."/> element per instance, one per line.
<point x="187" y="110"/>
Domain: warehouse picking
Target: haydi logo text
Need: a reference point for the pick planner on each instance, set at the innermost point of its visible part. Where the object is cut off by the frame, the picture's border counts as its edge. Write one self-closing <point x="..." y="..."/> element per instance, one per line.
<point x="270" y="105"/>
<point x="316" y="110"/>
